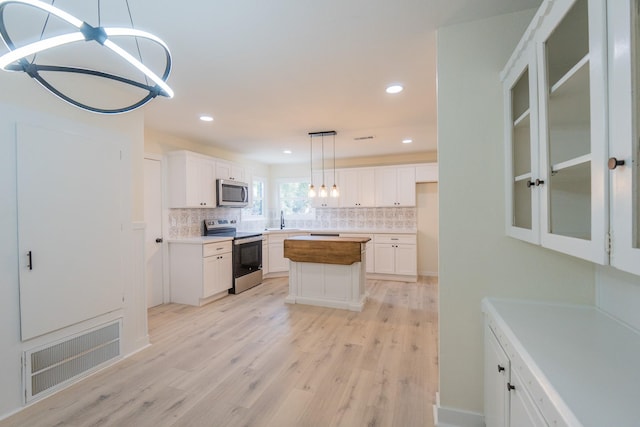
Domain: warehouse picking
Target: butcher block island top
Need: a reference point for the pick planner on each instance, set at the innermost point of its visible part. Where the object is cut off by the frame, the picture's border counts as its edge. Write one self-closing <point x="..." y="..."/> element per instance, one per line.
<point x="325" y="249"/>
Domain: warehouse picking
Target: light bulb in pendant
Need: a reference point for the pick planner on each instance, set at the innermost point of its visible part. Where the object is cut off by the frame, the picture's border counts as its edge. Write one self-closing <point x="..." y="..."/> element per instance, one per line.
<point x="312" y="191"/>
<point x="323" y="191"/>
<point x="334" y="191"/>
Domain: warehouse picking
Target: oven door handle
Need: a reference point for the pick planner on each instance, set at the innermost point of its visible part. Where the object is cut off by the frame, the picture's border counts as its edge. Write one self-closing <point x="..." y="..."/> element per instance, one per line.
<point x="247" y="240"/>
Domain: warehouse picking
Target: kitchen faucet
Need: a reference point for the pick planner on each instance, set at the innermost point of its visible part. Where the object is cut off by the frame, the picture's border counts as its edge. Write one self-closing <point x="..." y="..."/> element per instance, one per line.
<point x="281" y="220"/>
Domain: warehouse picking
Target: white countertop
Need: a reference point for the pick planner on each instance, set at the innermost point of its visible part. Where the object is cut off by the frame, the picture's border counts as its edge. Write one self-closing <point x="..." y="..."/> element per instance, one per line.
<point x="589" y="359"/>
<point x="343" y="231"/>
<point x="200" y="240"/>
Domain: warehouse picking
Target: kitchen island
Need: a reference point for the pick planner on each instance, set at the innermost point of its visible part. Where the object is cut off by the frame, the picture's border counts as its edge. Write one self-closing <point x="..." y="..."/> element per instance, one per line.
<point x="327" y="271"/>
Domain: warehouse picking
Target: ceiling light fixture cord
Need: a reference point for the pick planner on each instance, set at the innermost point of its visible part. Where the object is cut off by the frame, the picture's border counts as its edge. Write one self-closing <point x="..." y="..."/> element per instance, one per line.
<point x="16" y="58"/>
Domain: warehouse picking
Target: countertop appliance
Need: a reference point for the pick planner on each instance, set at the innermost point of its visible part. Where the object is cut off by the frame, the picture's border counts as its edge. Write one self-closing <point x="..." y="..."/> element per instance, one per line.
<point x="246" y="255"/>
<point x="232" y="193"/>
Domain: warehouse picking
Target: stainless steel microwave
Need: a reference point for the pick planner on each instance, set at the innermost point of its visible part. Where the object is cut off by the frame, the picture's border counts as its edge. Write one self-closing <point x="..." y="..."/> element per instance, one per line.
<point x="232" y="193"/>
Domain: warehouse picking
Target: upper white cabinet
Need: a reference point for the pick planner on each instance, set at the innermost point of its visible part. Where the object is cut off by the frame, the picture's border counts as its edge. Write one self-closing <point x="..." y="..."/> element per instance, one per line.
<point x="228" y="170"/>
<point x="356" y="188"/>
<point x="624" y="83"/>
<point x="522" y="150"/>
<point x="427" y="172"/>
<point x="191" y="180"/>
<point x="556" y="156"/>
<point x="395" y="186"/>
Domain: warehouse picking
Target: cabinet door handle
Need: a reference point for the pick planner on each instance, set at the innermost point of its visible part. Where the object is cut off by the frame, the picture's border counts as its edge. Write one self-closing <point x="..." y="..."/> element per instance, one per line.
<point x="539" y="182"/>
<point x="614" y="163"/>
<point x="500" y="368"/>
<point x="530" y="184"/>
<point x="159" y="240"/>
<point x="510" y="387"/>
<point x="30" y="260"/>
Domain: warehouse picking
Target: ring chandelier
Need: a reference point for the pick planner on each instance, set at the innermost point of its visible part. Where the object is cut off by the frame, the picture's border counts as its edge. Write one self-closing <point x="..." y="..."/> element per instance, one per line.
<point x="16" y="58"/>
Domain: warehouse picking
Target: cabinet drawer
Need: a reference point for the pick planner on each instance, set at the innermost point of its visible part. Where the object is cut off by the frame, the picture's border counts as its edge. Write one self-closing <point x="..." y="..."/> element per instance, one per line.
<point x="210" y="249"/>
<point x="395" y="238"/>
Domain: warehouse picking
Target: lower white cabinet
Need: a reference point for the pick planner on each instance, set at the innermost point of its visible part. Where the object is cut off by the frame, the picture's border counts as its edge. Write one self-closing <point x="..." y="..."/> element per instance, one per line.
<point x="506" y="399"/>
<point x="396" y="254"/>
<point x="554" y="364"/>
<point x="370" y="256"/>
<point x="200" y="273"/>
<point x="265" y="255"/>
<point x="277" y="263"/>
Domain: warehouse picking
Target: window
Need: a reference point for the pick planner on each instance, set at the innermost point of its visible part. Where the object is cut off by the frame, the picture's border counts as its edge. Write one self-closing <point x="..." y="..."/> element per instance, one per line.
<point x="255" y="209"/>
<point x="293" y="200"/>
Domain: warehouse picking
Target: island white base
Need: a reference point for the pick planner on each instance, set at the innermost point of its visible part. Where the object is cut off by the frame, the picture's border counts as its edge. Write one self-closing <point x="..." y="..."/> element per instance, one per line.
<point x="327" y="285"/>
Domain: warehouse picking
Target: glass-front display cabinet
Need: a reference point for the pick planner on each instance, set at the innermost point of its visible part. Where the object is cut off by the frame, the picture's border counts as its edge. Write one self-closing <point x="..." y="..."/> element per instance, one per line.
<point x="556" y="130"/>
<point x="521" y="148"/>
<point x="624" y="117"/>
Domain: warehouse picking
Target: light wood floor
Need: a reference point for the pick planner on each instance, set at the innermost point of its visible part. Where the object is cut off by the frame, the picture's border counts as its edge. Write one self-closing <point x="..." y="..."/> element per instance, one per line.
<point x="251" y="360"/>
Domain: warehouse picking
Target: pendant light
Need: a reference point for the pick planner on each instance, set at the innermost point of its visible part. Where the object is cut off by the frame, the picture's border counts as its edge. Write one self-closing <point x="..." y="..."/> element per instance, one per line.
<point x="334" y="190"/>
<point x="16" y="59"/>
<point x="323" y="188"/>
<point x="323" y="192"/>
<point x="312" y="190"/>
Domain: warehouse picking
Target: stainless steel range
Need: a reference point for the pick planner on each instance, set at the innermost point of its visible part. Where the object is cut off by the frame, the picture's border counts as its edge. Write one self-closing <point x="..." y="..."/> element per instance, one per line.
<point x="247" y="253"/>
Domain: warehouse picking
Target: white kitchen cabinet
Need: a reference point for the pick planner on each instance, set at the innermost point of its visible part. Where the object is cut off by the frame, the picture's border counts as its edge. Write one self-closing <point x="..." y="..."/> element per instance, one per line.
<point x="357" y="187"/>
<point x="427" y="172"/>
<point x="396" y="254"/>
<point x="200" y="272"/>
<point x="564" y="61"/>
<point x="570" y="365"/>
<point x="624" y="133"/>
<point x="497" y="374"/>
<point x="395" y="186"/>
<point x="265" y="255"/>
<point x="507" y="401"/>
<point x="191" y="180"/>
<point x="229" y="170"/>
<point x="370" y="256"/>
<point x="324" y="202"/>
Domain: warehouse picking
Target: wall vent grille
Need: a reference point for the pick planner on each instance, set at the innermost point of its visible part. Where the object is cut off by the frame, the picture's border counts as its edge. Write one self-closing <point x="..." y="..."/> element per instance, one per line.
<point x="51" y="367"/>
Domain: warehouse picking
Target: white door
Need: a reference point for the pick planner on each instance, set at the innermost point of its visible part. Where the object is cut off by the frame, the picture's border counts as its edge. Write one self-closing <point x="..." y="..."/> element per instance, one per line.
<point x="70" y="222"/>
<point x="153" y="232"/>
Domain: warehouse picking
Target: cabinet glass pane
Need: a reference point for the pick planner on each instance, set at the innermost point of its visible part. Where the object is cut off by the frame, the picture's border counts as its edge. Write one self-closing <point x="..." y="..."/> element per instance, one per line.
<point x="568" y="43"/>
<point x="522" y="204"/>
<point x="521" y="126"/>
<point x="567" y="52"/>
<point x="570" y="201"/>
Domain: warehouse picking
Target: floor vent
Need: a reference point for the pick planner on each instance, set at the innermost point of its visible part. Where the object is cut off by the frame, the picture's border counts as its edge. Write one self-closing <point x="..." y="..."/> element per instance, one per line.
<point x="50" y="368"/>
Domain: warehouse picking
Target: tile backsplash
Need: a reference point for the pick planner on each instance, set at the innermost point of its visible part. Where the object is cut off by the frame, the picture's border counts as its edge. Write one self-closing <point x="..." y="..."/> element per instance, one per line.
<point x="189" y="222"/>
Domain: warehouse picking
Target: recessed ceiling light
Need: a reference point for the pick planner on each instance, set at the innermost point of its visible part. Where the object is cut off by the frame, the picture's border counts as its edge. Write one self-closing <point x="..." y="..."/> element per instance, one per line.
<point x="287" y="151"/>
<point x="407" y="141"/>
<point x="394" y="89"/>
<point x="206" y="118"/>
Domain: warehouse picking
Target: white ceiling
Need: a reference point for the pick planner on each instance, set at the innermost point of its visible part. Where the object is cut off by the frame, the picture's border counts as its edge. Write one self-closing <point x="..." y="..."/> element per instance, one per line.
<point x="270" y="71"/>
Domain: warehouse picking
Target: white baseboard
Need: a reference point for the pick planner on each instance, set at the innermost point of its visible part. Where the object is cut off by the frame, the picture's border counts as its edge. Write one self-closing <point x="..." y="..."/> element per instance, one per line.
<point x="451" y="417"/>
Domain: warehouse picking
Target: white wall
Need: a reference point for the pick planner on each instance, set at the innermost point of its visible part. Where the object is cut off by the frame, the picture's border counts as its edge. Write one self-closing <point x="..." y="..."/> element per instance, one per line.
<point x="23" y="100"/>
<point x="476" y="258"/>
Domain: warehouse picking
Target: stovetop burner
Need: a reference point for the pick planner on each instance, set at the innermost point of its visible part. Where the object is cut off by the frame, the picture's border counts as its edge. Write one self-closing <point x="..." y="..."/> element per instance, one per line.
<point x="226" y="228"/>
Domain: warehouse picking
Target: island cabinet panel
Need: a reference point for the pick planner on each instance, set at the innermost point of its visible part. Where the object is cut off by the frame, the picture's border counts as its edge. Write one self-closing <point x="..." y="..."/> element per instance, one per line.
<point x="316" y="279"/>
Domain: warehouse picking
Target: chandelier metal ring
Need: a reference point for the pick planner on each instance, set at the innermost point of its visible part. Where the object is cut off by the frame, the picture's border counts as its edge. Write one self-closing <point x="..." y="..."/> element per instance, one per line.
<point x="15" y="59"/>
